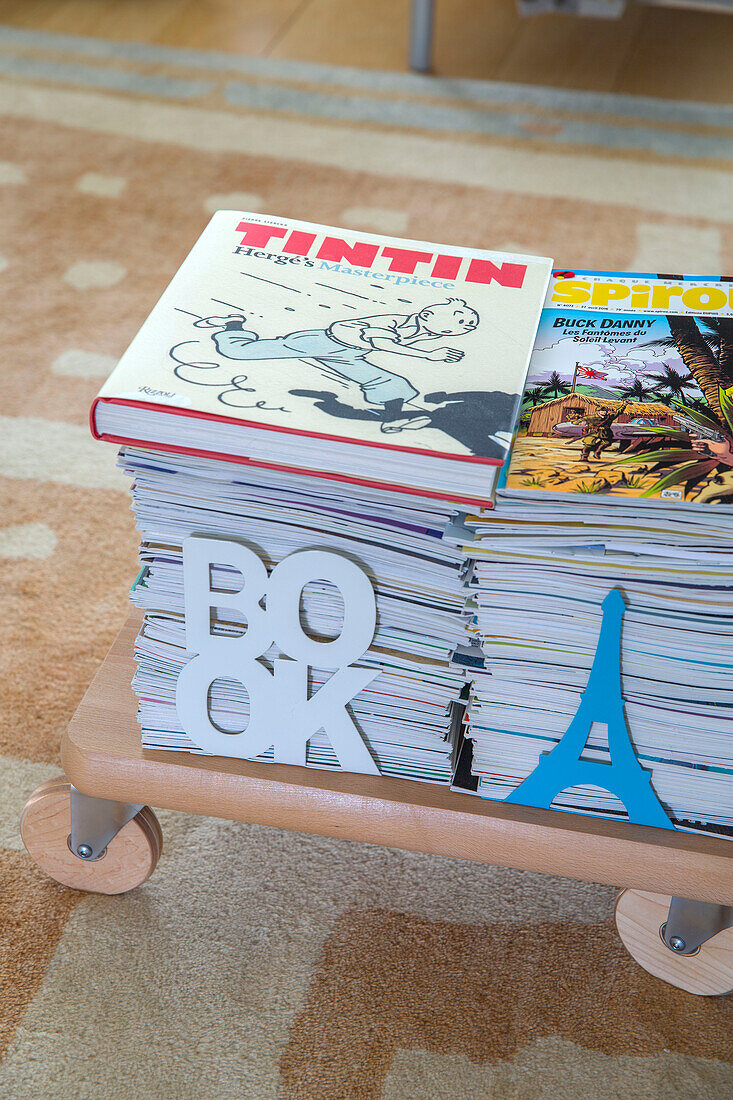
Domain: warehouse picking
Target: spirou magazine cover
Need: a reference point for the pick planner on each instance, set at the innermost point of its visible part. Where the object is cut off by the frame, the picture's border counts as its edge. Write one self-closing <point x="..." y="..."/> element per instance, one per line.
<point x="341" y="335"/>
<point x="629" y="392"/>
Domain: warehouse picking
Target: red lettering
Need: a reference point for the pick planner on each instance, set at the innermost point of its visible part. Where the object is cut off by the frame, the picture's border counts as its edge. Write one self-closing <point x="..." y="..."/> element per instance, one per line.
<point x="257" y="235"/>
<point x="359" y="254"/>
<point x="483" y="271"/>
<point x="405" y="259"/>
<point x="446" y="267"/>
<point x="299" y="242"/>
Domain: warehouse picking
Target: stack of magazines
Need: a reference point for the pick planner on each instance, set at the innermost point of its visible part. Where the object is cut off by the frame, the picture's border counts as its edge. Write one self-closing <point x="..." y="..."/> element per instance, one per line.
<point x="621" y="476"/>
<point x="408" y="713"/>
<point x="301" y="388"/>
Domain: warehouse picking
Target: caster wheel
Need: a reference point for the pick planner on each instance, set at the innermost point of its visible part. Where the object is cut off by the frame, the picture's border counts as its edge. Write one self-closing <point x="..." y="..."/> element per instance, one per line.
<point x="130" y="858"/>
<point x="639" y="918"/>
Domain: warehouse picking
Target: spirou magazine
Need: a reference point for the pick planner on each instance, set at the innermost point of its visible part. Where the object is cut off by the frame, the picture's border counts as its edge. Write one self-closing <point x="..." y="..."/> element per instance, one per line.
<point x="629" y="393"/>
<point x="336" y="336"/>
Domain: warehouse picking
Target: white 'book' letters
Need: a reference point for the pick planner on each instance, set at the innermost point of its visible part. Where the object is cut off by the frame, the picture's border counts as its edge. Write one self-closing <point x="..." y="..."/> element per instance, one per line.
<point x="281" y="713"/>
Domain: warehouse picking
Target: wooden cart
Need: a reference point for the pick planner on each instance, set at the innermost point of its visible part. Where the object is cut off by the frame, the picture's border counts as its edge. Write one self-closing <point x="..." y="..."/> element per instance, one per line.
<point x="92" y="830"/>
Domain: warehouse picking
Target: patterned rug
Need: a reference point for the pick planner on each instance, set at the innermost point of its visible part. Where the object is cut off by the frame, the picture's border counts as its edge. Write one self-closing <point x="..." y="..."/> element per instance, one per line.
<point x="260" y="963"/>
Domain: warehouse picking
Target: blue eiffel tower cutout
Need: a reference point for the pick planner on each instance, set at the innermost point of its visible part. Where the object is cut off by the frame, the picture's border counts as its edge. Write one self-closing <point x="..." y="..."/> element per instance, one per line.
<point x="600" y="702"/>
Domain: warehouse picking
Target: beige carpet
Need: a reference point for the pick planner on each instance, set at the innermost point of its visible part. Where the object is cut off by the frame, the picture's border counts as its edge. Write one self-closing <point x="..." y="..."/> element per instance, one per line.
<point x="258" y="963"/>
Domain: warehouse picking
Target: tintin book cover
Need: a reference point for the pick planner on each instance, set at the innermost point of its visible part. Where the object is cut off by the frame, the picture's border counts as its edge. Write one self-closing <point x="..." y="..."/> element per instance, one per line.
<point x="341" y="335"/>
<point x="629" y="392"/>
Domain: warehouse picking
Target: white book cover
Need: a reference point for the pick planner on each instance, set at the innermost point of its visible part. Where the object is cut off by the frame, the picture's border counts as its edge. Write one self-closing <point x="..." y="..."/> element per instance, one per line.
<point x="340" y="335"/>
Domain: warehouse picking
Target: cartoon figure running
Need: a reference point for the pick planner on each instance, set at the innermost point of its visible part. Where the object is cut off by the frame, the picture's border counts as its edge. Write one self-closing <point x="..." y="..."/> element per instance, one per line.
<point x="345" y="345"/>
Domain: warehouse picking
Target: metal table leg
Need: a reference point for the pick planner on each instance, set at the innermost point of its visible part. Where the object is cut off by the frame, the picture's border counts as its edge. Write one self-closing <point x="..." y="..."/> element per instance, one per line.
<point x="421" y="35"/>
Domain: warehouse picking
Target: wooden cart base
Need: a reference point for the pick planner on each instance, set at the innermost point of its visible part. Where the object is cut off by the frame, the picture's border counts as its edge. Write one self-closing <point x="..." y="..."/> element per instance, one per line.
<point x="102" y="757"/>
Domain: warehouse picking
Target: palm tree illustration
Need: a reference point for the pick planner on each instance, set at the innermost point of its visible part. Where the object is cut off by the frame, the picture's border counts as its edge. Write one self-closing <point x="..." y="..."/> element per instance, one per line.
<point x="556" y="386"/>
<point x="535" y="395"/>
<point x="637" y="391"/>
<point x="672" y="385"/>
<point x="705" y="346"/>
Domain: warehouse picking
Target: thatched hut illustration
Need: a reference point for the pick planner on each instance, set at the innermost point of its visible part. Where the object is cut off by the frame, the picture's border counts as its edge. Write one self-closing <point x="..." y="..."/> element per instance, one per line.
<point x="545" y="416"/>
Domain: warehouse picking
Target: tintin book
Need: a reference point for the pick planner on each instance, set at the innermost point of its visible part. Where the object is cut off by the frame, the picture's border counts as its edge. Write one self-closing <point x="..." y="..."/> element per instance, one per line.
<point x="629" y="392"/>
<point x="371" y="359"/>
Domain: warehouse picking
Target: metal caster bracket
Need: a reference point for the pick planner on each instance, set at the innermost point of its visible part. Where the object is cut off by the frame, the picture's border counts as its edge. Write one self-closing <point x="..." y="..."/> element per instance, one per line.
<point x="95" y="822"/>
<point x="690" y="924"/>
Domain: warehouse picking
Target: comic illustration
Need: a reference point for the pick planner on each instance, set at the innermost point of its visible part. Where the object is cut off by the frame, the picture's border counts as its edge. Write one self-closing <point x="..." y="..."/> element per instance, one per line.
<point x="343" y="336"/>
<point x="343" y="353"/>
<point x="630" y="404"/>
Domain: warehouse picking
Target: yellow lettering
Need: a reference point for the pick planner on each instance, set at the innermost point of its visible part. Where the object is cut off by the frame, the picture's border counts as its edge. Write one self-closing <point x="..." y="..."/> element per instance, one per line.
<point x="571" y="291"/>
<point x="640" y="295"/>
<point x="662" y="294"/>
<point x="603" y="293"/>
<point x="704" y="297"/>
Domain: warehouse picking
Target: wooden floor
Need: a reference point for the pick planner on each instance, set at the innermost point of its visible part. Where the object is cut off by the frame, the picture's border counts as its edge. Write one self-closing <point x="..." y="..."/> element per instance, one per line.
<point x="650" y="51"/>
